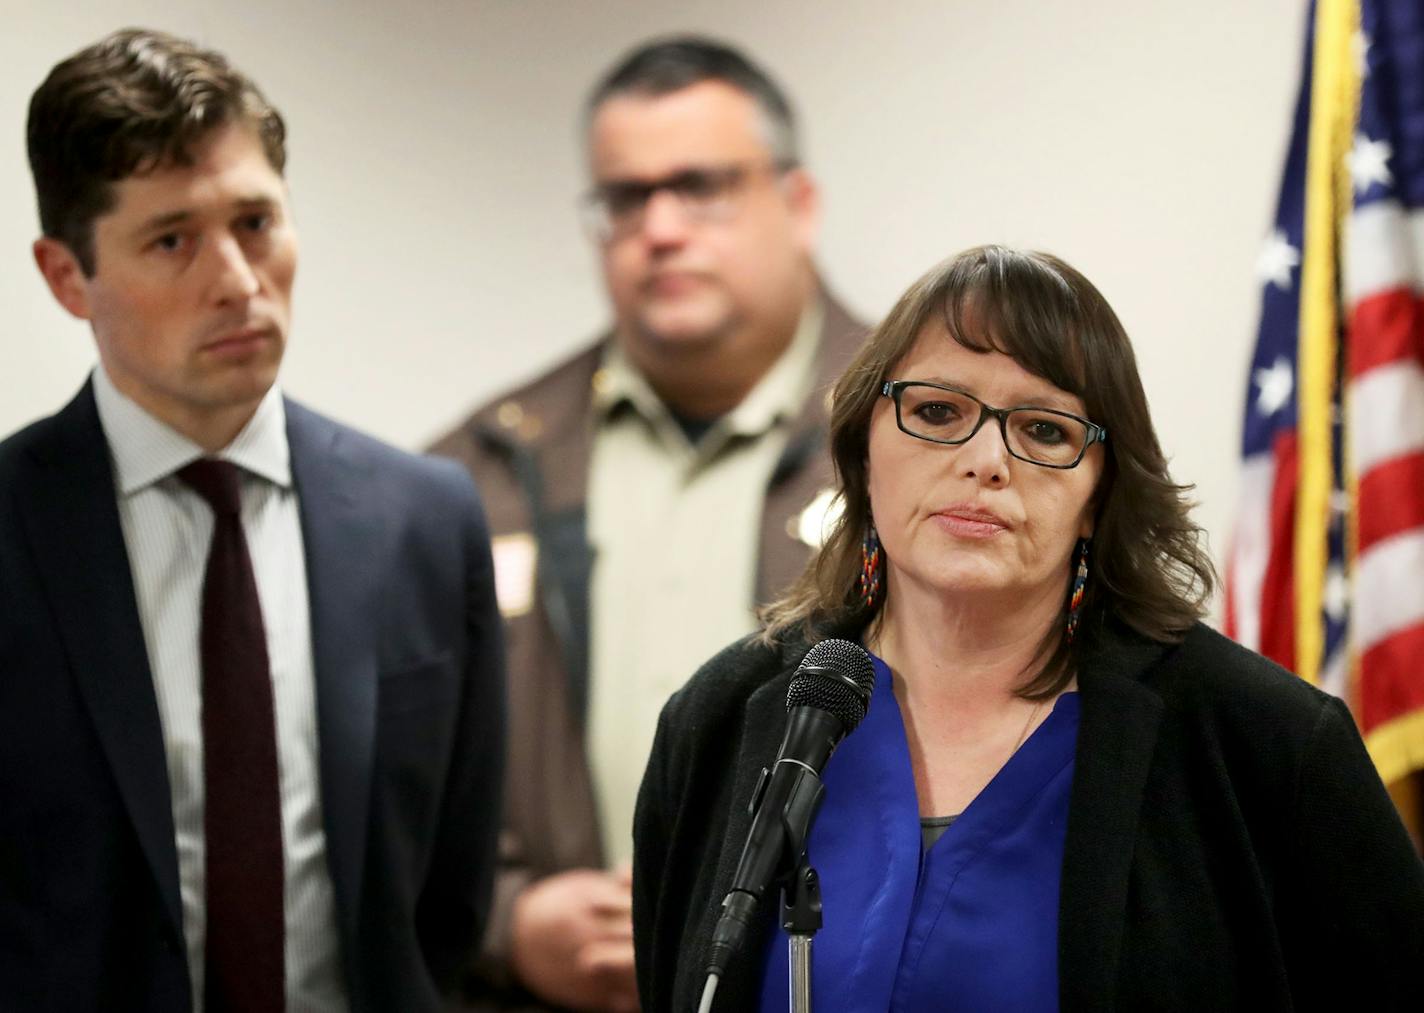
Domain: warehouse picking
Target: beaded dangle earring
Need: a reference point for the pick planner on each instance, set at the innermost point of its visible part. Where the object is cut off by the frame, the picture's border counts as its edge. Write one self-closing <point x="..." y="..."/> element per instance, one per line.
<point x="869" y="567"/>
<point x="1075" y="600"/>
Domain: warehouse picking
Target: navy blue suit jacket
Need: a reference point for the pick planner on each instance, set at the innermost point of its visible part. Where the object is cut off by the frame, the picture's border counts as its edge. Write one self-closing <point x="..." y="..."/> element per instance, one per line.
<point x="409" y="690"/>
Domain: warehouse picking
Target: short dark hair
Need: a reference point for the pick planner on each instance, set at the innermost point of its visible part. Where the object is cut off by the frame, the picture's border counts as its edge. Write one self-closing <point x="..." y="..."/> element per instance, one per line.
<point x="135" y="100"/>
<point x="1149" y="568"/>
<point x="671" y="64"/>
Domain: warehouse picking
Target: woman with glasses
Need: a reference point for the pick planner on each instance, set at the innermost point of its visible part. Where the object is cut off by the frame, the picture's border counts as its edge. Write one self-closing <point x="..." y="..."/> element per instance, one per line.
<point x="1067" y="791"/>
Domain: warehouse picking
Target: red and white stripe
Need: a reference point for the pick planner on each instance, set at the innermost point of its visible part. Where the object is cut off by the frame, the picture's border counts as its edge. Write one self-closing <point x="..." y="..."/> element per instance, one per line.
<point x="1260" y="602"/>
<point x="1384" y="298"/>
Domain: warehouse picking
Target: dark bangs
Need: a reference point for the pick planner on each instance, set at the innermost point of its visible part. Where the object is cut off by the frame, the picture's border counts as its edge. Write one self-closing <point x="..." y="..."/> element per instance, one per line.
<point x="1021" y="305"/>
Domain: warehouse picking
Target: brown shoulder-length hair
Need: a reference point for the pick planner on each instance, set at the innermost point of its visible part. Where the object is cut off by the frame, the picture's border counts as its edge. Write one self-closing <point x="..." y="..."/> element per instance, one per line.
<point x="135" y="100"/>
<point x="1148" y="568"/>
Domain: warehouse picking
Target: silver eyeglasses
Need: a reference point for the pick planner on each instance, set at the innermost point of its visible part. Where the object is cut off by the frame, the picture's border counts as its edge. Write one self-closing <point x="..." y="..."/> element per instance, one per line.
<point x="940" y="414"/>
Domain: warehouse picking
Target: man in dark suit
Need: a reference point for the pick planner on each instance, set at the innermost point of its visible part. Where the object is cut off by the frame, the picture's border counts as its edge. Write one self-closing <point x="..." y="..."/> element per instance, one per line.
<point x="251" y="700"/>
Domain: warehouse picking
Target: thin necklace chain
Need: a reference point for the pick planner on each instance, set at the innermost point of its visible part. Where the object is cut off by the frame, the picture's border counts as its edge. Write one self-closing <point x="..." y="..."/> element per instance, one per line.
<point x="1023" y="735"/>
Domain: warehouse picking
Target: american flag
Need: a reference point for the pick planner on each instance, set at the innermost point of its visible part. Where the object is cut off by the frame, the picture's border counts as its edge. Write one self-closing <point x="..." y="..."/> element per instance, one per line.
<point x="1326" y="573"/>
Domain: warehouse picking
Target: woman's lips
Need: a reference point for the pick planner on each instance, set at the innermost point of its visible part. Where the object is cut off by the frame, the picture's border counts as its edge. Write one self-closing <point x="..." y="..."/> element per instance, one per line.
<point x="968" y="523"/>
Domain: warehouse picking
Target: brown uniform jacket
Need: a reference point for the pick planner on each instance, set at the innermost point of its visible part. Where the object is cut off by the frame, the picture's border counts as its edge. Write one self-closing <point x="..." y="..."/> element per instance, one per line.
<point x="529" y="452"/>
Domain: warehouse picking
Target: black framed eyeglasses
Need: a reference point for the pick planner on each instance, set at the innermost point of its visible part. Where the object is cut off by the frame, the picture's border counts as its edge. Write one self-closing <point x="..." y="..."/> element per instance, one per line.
<point x="940" y="414"/>
<point x="706" y="193"/>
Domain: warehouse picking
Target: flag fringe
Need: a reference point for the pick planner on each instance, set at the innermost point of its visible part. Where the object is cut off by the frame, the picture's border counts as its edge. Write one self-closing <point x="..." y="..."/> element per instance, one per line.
<point x="1333" y="113"/>
<point x="1397" y="746"/>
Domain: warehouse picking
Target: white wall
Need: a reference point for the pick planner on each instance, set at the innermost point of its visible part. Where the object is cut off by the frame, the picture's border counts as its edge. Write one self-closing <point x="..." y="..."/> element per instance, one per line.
<point x="434" y="163"/>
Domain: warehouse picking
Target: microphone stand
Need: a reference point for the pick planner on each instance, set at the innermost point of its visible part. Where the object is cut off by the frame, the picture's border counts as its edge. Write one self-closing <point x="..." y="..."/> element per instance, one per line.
<point x="827" y="698"/>
<point x="801" y="917"/>
<point x="801" y="891"/>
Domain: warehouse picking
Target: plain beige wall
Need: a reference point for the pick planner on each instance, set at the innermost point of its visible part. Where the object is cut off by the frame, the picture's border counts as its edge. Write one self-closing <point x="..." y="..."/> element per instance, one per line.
<point x="435" y="162"/>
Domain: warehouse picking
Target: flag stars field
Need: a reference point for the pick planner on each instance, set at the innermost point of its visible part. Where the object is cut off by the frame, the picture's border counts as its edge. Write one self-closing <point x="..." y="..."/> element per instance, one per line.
<point x="1360" y="44"/>
<point x="1276" y="261"/>
<point x="1275" y="385"/>
<point x="1337" y="593"/>
<point x="1369" y="163"/>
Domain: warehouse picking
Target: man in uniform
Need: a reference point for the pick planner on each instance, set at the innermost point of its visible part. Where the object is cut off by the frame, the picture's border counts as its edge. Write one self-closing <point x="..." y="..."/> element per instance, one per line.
<point x="648" y="493"/>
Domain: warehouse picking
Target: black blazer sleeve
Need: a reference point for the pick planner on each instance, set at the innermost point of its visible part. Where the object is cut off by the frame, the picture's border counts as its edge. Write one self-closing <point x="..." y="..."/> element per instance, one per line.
<point x="1353" y="918"/>
<point x="649" y="872"/>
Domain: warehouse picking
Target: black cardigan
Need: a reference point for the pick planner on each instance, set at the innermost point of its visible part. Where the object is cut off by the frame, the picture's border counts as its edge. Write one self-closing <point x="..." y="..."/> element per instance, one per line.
<point x="1229" y="843"/>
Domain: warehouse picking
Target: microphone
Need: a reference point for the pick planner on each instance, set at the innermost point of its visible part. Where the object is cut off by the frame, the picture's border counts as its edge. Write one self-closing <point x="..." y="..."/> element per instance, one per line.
<point x="827" y="699"/>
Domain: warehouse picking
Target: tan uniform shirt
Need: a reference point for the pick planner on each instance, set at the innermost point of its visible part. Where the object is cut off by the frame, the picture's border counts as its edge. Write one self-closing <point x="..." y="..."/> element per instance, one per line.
<point x="675" y="530"/>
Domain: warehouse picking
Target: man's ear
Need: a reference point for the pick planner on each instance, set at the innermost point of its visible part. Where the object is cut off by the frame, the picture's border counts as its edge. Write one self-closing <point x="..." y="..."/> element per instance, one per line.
<point x="63" y="274"/>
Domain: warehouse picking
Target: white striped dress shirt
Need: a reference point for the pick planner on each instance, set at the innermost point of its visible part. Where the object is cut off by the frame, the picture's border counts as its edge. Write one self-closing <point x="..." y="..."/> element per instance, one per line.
<point x="167" y="530"/>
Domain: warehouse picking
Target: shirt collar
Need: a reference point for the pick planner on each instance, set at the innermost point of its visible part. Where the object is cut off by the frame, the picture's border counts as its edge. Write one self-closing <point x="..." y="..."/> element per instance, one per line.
<point x="618" y="382"/>
<point x="777" y="395"/>
<point x="146" y="450"/>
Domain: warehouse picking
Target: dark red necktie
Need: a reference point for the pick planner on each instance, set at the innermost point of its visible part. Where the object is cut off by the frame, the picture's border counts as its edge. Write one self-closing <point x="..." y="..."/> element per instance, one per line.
<point x="242" y="822"/>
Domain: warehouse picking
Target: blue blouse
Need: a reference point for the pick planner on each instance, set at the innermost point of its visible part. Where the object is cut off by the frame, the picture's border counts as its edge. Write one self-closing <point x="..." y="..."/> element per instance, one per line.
<point x="969" y="924"/>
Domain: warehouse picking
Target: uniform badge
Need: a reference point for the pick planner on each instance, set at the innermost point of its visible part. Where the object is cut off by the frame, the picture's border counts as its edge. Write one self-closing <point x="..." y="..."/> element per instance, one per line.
<point x="515" y="559"/>
<point x="814" y="524"/>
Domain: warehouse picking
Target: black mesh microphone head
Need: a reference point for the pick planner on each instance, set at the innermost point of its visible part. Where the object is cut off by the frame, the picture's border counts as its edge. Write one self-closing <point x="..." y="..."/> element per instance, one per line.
<point x="835" y="676"/>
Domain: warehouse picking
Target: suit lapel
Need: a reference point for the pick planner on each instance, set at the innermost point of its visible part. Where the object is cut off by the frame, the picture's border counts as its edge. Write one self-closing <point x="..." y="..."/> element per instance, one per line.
<point x="72" y="519"/>
<point x="1116" y="737"/>
<point x="342" y="535"/>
